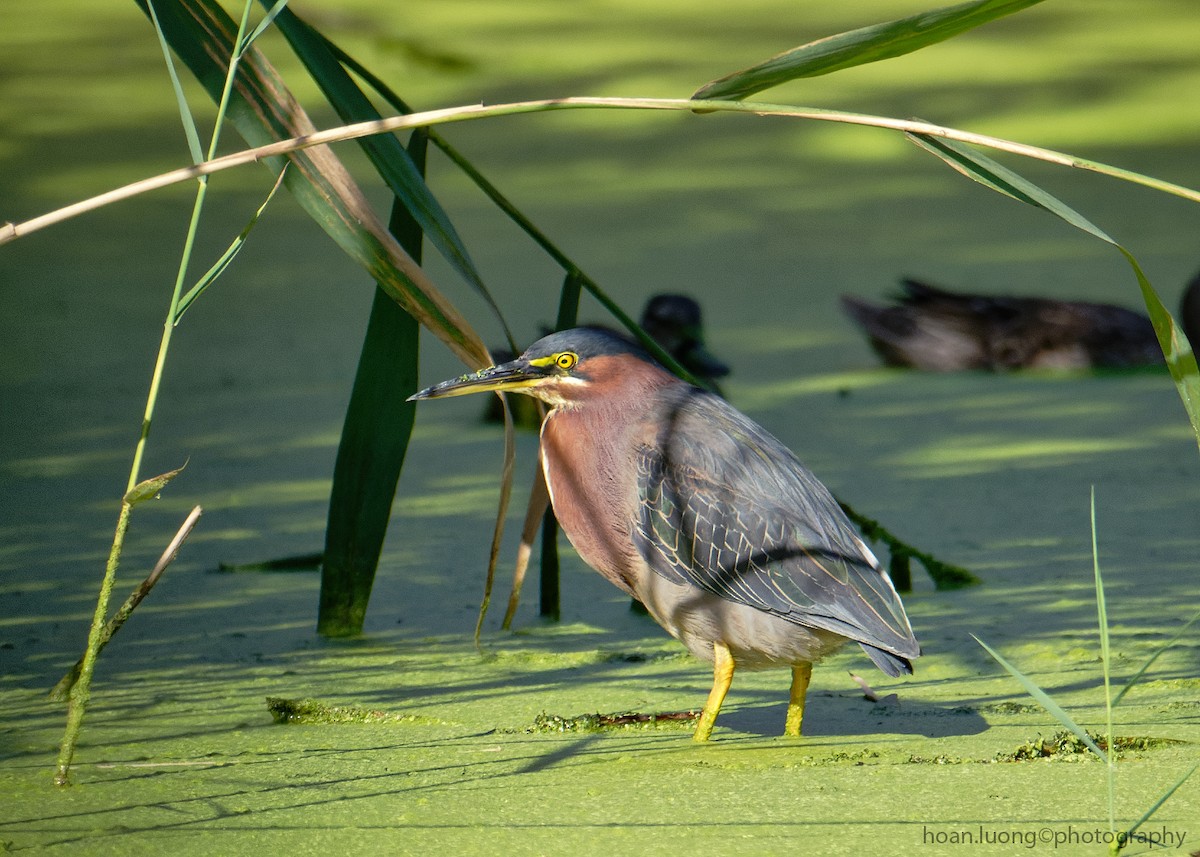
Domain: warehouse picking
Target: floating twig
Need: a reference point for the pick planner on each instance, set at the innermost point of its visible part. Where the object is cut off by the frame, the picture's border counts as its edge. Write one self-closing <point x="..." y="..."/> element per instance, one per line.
<point x="871" y="695"/>
<point x="622" y="720"/>
<point x="310" y="711"/>
<point x="300" y="562"/>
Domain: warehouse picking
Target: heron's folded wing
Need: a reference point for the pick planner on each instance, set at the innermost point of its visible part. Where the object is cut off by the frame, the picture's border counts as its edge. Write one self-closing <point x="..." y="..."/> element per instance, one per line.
<point x="727" y="508"/>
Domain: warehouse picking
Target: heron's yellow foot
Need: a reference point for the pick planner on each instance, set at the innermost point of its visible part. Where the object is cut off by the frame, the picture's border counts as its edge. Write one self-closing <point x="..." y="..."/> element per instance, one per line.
<point x="795" y="713"/>
<point x="722" y="678"/>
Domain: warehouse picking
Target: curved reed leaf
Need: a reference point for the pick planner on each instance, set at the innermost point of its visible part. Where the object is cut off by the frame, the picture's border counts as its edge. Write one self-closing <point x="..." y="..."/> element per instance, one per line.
<point x="978" y="167"/>
<point x="374" y="442"/>
<point x="185" y="110"/>
<point x="218" y="267"/>
<point x="861" y="46"/>
<point x="264" y="111"/>
<point x="1045" y="701"/>
<point x="386" y="153"/>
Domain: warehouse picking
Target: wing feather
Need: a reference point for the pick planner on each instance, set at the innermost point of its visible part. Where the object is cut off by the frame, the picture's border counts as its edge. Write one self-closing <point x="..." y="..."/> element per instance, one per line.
<point x="729" y="509"/>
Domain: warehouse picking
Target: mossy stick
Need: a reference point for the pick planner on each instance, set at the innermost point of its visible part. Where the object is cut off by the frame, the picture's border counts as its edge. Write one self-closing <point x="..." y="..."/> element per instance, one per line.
<point x="63" y="688"/>
<point x="81" y="691"/>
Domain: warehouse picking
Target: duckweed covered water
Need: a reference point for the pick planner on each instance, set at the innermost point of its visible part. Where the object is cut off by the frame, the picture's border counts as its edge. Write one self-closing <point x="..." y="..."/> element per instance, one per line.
<point x="766" y="222"/>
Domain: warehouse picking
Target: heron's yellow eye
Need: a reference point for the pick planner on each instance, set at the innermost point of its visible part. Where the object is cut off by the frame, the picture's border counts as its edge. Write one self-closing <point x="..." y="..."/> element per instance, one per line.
<point x="566" y="360"/>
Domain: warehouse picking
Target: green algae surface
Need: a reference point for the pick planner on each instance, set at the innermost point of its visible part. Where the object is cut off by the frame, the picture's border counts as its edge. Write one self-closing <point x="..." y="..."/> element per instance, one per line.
<point x="427" y="744"/>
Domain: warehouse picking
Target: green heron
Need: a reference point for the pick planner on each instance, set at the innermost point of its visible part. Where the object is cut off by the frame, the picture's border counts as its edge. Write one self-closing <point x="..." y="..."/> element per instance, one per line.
<point x="935" y="329"/>
<point x="686" y="504"/>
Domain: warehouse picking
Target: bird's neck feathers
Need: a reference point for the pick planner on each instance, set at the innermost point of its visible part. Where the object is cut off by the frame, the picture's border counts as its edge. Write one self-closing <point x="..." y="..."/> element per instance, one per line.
<point x="611" y="384"/>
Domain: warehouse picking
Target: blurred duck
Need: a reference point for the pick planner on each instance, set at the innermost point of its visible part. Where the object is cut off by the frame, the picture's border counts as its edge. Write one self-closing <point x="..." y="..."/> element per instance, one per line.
<point x="673" y="321"/>
<point x="942" y="331"/>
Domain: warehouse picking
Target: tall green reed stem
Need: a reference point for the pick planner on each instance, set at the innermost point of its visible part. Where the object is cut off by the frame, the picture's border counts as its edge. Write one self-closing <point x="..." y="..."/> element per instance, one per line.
<point x="1106" y="663"/>
<point x="81" y="693"/>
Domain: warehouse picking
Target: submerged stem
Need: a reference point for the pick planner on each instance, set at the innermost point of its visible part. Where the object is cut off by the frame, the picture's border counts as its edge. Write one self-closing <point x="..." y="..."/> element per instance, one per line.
<point x="81" y="692"/>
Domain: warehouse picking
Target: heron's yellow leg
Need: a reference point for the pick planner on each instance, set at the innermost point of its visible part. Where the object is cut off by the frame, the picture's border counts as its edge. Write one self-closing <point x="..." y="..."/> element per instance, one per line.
<point x="801" y="673"/>
<point x="722" y="678"/>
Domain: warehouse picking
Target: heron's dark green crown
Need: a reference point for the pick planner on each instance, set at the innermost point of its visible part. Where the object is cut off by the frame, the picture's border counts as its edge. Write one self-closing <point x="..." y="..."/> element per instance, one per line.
<point x="585" y="342"/>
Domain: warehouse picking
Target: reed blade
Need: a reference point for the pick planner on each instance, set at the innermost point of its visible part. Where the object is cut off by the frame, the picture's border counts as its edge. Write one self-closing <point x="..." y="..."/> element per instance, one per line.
<point x="860" y="46"/>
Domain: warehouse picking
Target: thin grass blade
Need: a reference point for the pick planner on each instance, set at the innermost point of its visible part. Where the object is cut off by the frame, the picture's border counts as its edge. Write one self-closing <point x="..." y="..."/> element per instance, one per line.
<point x="1158" y="803"/>
<point x="568" y="301"/>
<point x="264" y="24"/>
<point x="1106" y="666"/>
<point x="991" y="173"/>
<point x="1181" y="360"/>
<point x="861" y="46"/>
<point x="1176" y="349"/>
<point x="228" y="256"/>
<point x="1101" y="602"/>
<point x="1154" y="657"/>
<point x="1045" y="701"/>
<point x="185" y="110"/>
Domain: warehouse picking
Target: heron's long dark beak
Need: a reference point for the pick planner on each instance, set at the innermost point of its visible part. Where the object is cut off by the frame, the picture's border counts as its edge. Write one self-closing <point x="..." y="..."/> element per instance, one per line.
<point x="514" y="375"/>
